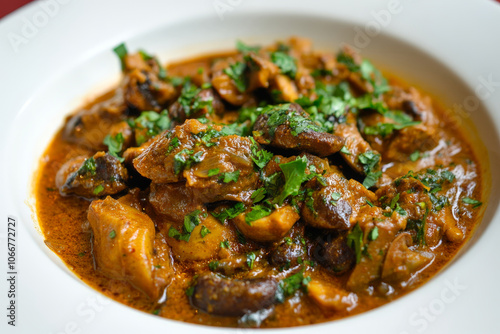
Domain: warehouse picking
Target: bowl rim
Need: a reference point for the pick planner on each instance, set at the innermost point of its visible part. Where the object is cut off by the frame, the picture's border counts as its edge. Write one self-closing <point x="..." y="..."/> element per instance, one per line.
<point x="294" y="8"/>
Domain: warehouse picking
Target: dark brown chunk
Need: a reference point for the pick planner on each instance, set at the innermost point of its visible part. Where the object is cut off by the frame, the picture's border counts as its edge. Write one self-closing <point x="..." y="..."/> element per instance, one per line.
<point x="204" y="103"/>
<point x="336" y="204"/>
<point x="98" y="176"/>
<point x="288" y="126"/>
<point x="232" y="297"/>
<point x="332" y="252"/>
<point x="89" y="127"/>
<point x="173" y="200"/>
<point x="232" y="154"/>
<point x="143" y="88"/>
<point x="157" y="161"/>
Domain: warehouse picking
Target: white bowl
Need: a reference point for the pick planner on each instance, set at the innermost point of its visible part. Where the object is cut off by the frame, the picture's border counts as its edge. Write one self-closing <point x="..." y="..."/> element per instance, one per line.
<point x="57" y="54"/>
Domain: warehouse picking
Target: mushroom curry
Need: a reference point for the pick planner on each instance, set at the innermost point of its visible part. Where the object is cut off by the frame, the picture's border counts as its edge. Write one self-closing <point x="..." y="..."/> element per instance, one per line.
<point x="271" y="186"/>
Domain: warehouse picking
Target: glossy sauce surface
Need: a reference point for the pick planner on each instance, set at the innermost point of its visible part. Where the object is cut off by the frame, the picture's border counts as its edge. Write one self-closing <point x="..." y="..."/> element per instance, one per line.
<point x="64" y="223"/>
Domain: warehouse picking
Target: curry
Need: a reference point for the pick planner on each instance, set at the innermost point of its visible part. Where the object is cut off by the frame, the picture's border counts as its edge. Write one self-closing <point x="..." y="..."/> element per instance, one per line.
<point x="266" y="187"/>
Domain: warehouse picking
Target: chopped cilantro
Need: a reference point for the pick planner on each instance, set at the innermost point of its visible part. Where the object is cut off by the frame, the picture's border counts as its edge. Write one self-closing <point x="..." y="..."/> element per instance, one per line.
<point x="112" y="234"/>
<point x="283" y="114"/>
<point x="244" y="48"/>
<point x="415" y="156"/>
<point x="373" y="234"/>
<point x="152" y="122"/>
<point x="250" y="259"/>
<point x="237" y="73"/>
<point x="213" y="265"/>
<point x="190" y="291"/>
<point x="99" y="189"/>
<point x="213" y="171"/>
<point x="288" y="286"/>
<point x="204" y="231"/>
<point x="260" y="156"/>
<point x="190" y="222"/>
<point x="225" y="244"/>
<point x="355" y="241"/>
<point x="115" y="145"/>
<point x="230" y="213"/>
<point x="285" y="62"/>
<point x="473" y="202"/>
<point x="191" y="102"/>
<point x="258" y="212"/>
<point x="401" y="120"/>
<point x="121" y="52"/>
<point x="185" y="158"/>
<point x="230" y="176"/>
<point x="174" y="143"/>
<point x="370" y="160"/>
<point x="88" y="167"/>
<point x="345" y="150"/>
<point x="295" y="173"/>
<point x="258" y="195"/>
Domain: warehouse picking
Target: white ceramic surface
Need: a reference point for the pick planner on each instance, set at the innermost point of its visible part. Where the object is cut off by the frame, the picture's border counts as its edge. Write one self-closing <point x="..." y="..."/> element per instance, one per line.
<point x="54" y="53"/>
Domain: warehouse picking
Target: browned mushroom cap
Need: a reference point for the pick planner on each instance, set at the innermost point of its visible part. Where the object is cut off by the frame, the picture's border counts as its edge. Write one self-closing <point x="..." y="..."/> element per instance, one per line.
<point x="217" y="295"/>
<point x="97" y="176"/>
<point x="333" y="253"/>
<point x="288" y="126"/>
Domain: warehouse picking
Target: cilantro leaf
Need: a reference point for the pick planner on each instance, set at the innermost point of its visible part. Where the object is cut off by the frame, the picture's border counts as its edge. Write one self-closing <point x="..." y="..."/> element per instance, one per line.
<point x="149" y="124"/>
<point x="190" y="222"/>
<point x="258" y="195"/>
<point x="415" y="156"/>
<point x="373" y="234"/>
<point x="99" y="189"/>
<point x="258" y="212"/>
<point x="88" y="167"/>
<point x="284" y="114"/>
<point x="230" y="176"/>
<point x="121" y="51"/>
<point x="369" y="160"/>
<point x="244" y="48"/>
<point x="295" y="174"/>
<point x="115" y="145"/>
<point x="185" y="158"/>
<point x="473" y="202"/>
<point x="345" y="150"/>
<point x="204" y="231"/>
<point x="237" y="73"/>
<point x="213" y="265"/>
<point x="355" y="241"/>
<point x="250" y="259"/>
<point x="288" y="286"/>
<point x="230" y="213"/>
<point x="371" y="179"/>
<point x="260" y="156"/>
<point x="213" y="171"/>
<point x="285" y="62"/>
